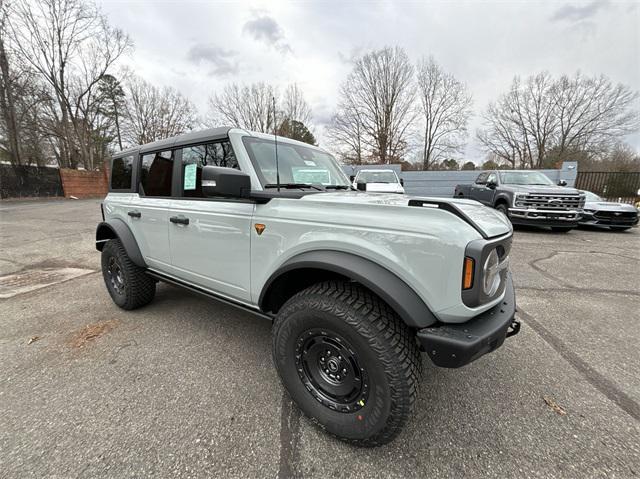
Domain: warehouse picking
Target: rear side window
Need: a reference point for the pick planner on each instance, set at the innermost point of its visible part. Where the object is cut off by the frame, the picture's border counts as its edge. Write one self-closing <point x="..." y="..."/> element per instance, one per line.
<point x="198" y="156"/>
<point x="121" y="173"/>
<point x="155" y="173"/>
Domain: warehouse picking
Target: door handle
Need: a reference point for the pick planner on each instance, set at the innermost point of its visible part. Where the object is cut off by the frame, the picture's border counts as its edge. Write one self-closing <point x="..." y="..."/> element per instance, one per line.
<point x="180" y="220"/>
<point x="134" y="214"/>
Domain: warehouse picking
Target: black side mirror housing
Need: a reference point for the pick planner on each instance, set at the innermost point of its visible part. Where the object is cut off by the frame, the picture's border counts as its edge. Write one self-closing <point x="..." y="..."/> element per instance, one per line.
<point x="361" y="186"/>
<point x="351" y="178"/>
<point x="491" y="184"/>
<point x="228" y="182"/>
<point x="562" y="183"/>
<point x="401" y="182"/>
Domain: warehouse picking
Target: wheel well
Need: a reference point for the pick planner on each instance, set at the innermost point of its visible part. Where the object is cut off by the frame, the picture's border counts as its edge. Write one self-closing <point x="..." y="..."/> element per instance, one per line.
<point x="502" y="201"/>
<point x="292" y="282"/>
<point x="104" y="232"/>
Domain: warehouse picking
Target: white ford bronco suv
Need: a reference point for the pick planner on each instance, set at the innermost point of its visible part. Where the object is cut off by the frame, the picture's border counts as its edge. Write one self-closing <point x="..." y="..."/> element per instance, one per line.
<point x="356" y="284"/>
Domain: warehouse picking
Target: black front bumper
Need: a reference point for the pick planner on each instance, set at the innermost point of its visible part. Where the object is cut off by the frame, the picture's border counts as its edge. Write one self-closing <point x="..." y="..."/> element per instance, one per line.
<point x="454" y="345"/>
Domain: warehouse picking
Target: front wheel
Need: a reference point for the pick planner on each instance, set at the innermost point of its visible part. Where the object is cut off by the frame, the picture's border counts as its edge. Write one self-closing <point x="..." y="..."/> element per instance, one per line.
<point x="502" y="208"/>
<point x="348" y="361"/>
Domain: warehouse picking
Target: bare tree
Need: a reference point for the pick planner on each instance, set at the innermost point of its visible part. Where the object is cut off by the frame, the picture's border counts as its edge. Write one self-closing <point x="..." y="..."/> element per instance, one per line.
<point x="542" y="121"/>
<point x="346" y="133"/>
<point x="294" y="106"/>
<point x="249" y="107"/>
<point x="7" y="96"/>
<point x="446" y="107"/>
<point x="379" y="96"/>
<point x="70" y="44"/>
<point x="153" y="113"/>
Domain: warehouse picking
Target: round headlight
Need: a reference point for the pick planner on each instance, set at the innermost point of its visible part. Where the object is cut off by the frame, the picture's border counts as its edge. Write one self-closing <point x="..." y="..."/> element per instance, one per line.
<point x="491" y="274"/>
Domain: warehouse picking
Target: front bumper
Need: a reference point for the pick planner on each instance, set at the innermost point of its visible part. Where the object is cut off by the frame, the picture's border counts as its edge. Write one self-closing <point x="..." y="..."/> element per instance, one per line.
<point x="454" y="345"/>
<point x="539" y="217"/>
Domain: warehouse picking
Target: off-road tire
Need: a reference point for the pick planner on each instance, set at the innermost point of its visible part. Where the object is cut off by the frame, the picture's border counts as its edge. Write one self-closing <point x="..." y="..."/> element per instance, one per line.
<point x="138" y="288"/>
<point x="560" y="229"/>
<point x="502" y="208"/>
<point x="386" y="347"/>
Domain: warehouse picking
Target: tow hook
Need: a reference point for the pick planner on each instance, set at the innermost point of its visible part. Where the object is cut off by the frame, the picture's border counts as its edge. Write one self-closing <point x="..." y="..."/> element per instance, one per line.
<point x="514" y="328"/>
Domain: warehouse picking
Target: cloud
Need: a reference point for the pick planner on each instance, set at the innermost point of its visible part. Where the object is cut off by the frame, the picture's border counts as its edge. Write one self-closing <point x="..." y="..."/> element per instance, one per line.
<point x="574" y="13"/>
<point x="264" y="28"/>
<point x="223" y="61"/>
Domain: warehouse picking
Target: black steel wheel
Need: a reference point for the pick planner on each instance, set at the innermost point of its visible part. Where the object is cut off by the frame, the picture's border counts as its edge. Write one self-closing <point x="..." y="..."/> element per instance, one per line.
<point x="330" y="370"/>
<point x="128" y="284"/>
<point x="348" y="361"/>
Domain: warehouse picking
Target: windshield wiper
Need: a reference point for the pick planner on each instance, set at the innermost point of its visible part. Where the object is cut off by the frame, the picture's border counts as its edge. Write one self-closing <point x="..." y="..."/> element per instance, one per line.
<point x="289" y="186"/>
<point x="339" y="187"/>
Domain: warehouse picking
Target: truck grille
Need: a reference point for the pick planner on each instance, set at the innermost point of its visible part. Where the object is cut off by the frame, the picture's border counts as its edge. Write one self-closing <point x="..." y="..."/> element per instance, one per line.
<point x="552" y="202"/>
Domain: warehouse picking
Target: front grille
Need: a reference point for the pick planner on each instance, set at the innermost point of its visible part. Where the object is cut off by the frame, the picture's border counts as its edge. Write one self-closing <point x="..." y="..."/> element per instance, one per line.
<point x="616" y="216"/>
<point x="551" y="202"/>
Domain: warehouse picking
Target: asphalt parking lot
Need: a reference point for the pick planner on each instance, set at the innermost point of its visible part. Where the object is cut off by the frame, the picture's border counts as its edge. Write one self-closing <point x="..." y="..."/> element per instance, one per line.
<point x="185" y="387"/>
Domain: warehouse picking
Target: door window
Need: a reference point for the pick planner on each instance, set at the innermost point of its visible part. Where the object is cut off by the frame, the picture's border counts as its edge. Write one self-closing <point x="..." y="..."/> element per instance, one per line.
<point x="492" y="178"/>
<point x="194" y="158"/>
<point x="155" y="174"/>
<point x="482" y="178"/>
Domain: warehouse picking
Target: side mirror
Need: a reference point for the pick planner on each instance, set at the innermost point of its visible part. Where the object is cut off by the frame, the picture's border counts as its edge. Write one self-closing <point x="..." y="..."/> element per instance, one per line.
<point x="361" y="186"/>
<point x="229" y="182"/>
<point x="492" y="185"/>
<point x="351" y="178"/>
<point x="401" y="182"/>
<point x="562" y="183"/>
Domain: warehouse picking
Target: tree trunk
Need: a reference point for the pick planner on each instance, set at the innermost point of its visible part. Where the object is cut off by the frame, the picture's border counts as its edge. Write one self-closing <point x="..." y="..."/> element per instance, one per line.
<point x="8" y="109"/>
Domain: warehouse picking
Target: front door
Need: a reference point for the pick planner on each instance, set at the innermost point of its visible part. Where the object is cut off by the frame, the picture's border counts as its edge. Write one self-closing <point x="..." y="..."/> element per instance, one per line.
<point x="148" y="213"/>
<point x="484" y="194"/>
<point x="210" y="237"/>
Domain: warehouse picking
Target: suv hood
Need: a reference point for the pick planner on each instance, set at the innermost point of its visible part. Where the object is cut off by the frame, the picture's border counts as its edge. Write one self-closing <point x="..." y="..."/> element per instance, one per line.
<point x="489" y="221"/>
<point x="541" y="189"/>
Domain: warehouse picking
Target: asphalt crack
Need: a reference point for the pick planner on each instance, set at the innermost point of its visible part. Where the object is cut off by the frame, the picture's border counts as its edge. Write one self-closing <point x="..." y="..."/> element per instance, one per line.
<point x="289" y="439"/>
<point x="593" y="377"/>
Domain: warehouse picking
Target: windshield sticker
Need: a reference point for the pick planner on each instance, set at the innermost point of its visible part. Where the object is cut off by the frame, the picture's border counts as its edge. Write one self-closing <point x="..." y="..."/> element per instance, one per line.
<point x="311" y="175"/>
<point x="190" y="173"/>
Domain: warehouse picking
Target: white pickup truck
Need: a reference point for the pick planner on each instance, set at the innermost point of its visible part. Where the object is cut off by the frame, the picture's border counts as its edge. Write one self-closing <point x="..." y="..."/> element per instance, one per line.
<point x="356" y="284"/>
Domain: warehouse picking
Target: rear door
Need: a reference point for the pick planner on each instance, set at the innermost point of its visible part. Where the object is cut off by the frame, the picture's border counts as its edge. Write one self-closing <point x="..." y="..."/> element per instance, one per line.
<point x="149" y="211"/>
<point x="210" y="237"/>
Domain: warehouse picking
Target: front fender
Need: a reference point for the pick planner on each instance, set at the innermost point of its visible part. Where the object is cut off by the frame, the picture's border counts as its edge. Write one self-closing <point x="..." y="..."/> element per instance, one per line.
<point x="116" y="228"/>
<point x="391" y="289"/>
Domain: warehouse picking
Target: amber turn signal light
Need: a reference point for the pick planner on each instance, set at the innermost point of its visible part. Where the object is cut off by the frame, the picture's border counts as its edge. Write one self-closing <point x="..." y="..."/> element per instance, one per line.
<point x="467" y="273"/>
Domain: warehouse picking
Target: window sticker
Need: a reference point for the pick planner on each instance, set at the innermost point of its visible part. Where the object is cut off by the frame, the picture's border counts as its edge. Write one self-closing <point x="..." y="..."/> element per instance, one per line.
<point x="311" y="175"/>
<point x="190" y="173"/>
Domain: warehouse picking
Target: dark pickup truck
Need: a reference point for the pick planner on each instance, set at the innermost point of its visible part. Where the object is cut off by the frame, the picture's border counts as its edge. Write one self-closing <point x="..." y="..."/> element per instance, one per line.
<point x="527" y="197"/>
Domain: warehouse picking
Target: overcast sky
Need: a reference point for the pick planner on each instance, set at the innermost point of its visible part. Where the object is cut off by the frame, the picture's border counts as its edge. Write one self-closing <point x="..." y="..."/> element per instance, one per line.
<point x="197" y="47"/>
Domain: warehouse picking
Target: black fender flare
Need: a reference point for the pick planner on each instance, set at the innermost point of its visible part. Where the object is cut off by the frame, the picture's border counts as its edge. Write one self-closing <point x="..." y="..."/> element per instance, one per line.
<point x="385" y="284"/>
<point x="116" y="228"/>
<point x="503" y="197"/>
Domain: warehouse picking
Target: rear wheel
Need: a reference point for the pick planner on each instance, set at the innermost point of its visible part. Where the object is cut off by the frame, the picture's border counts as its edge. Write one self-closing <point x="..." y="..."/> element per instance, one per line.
<point x="348" y="361"/>
<point x="560" y="229"/>
<point x="128" y="284"/>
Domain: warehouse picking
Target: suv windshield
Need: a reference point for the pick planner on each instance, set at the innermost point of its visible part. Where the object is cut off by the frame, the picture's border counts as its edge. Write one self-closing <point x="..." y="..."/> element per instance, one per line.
<point x="297" y="165"/>
<point x="376" y="177"/>
<point x="524" y="178"/>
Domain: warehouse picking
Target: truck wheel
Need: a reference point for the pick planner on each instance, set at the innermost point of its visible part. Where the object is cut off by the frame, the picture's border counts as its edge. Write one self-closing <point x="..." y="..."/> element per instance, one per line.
<point x="129" y="286"/>
<point x="502" y="208"/>
<point x="560" y="229"/>
<point x="348" y="361"/>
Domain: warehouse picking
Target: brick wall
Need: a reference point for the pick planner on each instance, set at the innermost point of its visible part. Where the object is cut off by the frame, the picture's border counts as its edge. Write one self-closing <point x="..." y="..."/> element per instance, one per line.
<point x="84" y="184"/>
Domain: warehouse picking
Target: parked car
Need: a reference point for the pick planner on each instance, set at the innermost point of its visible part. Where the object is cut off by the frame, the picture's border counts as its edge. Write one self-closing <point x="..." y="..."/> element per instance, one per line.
<point x="527" y="197"/>
<point x="616" y="216"/>
<point x="378" y="181"/>
<point x="356" y="284"/>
